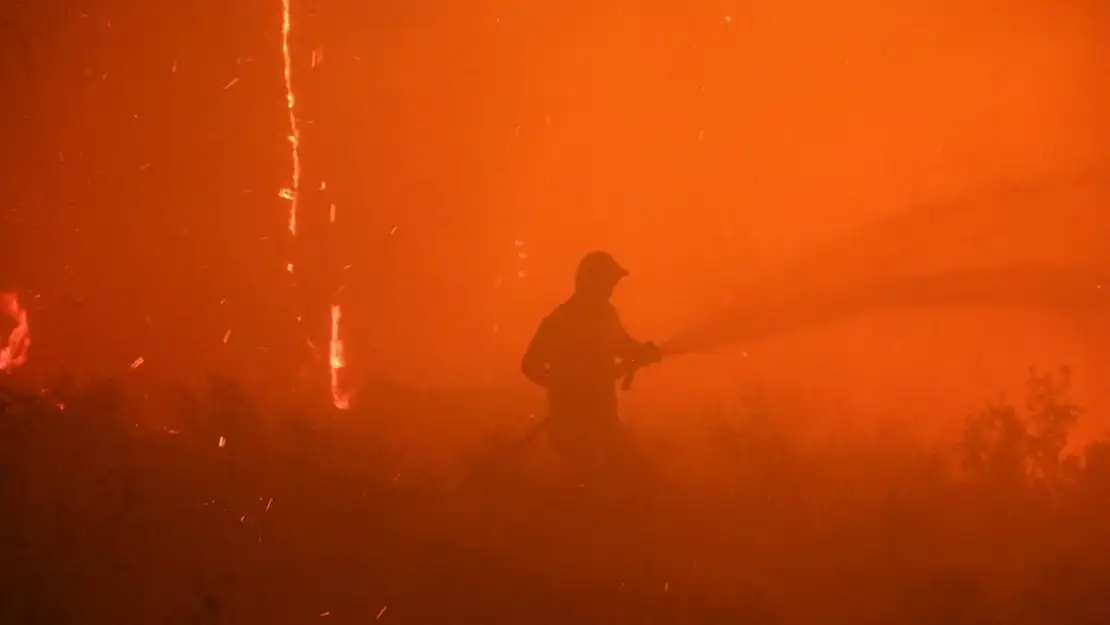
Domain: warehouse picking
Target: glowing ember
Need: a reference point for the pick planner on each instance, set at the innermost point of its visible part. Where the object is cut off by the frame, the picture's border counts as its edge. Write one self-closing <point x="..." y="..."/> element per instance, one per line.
<point x="13" y="352"/>
<point x="338" y="396"/>
<point x="138" y="362"/>
<point x="223" y="442"/>
<point x="294" y="132"/>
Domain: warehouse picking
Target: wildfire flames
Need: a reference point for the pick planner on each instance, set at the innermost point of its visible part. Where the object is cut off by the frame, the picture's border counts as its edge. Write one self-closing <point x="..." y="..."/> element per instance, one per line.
<point x="13" y="351"/>
<point x="339" y="397"/>
<point x="294" y="190"/>
<point x="336" y="362"/>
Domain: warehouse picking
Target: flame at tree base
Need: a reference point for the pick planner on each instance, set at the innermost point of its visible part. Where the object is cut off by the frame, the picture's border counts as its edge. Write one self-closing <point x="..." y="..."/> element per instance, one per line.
<point x="340" y="398"/>
<point x="13" y="352"/>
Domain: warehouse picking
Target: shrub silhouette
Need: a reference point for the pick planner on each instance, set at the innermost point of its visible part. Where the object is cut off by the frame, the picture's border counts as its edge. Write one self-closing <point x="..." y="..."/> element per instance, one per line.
<point x="114" y="515"/>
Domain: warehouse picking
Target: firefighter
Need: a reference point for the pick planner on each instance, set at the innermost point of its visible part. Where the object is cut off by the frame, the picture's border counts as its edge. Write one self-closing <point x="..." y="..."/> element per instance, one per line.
<point x="578" y="353"/>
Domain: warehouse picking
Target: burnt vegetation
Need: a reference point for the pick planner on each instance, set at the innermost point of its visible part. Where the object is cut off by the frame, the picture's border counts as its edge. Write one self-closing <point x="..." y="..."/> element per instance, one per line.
<point x="225" y="511"/>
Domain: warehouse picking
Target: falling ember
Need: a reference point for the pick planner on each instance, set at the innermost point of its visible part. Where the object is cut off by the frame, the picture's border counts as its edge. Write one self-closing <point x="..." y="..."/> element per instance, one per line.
<point x="337" y="362"/>
<point x="227" y="336"/>
<point x="13" y="352"/>
<point x="223" y="442"/>
<point x="294" y="132"/>
<point x="138" y="362"/>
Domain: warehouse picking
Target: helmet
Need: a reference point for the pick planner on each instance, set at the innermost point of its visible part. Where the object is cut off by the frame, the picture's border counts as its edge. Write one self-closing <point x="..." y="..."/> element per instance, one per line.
<point x="599" y="267"/>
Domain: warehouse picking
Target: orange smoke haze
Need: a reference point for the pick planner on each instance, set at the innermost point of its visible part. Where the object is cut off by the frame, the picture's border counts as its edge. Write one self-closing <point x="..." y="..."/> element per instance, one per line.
<point x="280" y="261"/>
<point x="453" y="163"/>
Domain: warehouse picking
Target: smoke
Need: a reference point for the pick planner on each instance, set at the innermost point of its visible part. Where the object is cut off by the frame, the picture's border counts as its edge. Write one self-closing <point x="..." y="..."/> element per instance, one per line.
<point x="1018" y="244"/>
<point x="1020" y="212"/>
<point x="1073" y="291"/>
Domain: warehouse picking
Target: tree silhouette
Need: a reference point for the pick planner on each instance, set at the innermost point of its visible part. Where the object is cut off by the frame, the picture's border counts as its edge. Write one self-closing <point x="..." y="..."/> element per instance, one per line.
<point x="1002" y="445"/>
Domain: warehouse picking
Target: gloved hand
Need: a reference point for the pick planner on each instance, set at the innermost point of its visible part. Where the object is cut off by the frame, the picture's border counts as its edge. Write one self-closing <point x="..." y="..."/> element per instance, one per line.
<point x="650" y="353"/>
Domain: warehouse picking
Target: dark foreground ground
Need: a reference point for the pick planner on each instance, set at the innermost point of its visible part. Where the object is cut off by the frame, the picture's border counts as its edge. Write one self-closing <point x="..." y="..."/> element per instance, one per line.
<point x="113" y="513"/>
